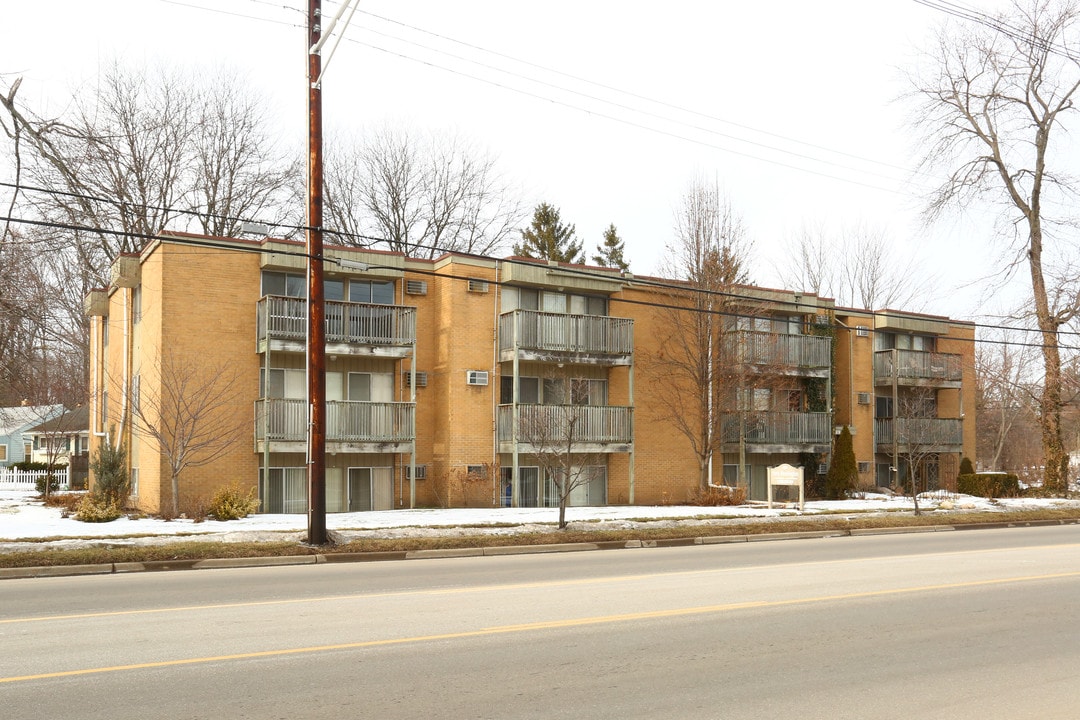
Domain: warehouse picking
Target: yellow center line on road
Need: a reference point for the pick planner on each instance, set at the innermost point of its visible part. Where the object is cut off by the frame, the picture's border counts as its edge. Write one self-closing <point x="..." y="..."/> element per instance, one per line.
<point x="504" y="587"/>
<point x="546" y="625"/>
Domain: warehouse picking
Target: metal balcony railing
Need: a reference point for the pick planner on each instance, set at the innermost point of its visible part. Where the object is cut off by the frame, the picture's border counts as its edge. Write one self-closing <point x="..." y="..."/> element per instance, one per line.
<point x="554" y="425"/>
<point x="285" y="318"/>
<point x="346" y="421"/>
<point x="918" y="365"/>
<point x="779" y="428"/>
<point x="778" y="349"/>
<point x="558" y="332"/>
<point x="931" y="432"/>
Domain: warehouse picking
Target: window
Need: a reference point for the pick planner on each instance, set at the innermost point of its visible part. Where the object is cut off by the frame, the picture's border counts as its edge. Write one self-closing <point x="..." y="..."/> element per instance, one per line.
<point x="883" y="407"/>
<point x="371" y="387"/>
<point x="864" y="467"/>
<point x="135" y="482"/>
<point x="3" y="452"/>
<point x="285" y="284"/>
<point x="476" y="472"/>
<point x="421" y="472"/>
<point x="370" y="489"/>
<point x="283" y="490"/>
<point x="528" y="390"/>
<point x="333" y="289"/>
<point x="284" y="384"/>
<point x="28" y="450"/>
<point x="377" y="292"/>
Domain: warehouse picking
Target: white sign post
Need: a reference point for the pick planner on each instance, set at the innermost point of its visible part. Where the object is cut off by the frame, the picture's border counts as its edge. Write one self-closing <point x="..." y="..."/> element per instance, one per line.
<point x="787" y="475"/>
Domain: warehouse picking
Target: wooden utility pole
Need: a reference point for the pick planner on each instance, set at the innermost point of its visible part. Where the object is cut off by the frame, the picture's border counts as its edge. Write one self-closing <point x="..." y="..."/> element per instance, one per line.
<point x="316" y="340"/>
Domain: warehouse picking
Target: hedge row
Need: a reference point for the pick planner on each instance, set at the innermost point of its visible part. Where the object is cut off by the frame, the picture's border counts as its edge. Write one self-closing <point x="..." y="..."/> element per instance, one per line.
<point x="988" y="485"/>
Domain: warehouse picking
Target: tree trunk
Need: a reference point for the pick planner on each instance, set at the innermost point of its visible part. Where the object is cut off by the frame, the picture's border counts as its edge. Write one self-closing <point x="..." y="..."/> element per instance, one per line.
<point x="1056" y="460"/>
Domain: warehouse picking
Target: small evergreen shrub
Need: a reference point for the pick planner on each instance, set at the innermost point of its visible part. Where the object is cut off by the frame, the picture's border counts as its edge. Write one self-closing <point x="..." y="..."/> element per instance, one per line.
<point x="843" y="474"/>
<point x="232" y="503"/>
<point x="40" y="483"/>
<point x="988" y="485"/>
<point x="111" y="478"/>
<point x="97" y="508"/>
<point x="966" y="468"/>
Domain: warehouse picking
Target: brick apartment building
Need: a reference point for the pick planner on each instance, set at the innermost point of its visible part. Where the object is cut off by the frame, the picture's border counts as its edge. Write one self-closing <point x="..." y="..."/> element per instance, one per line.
<point x="449" y="379"/>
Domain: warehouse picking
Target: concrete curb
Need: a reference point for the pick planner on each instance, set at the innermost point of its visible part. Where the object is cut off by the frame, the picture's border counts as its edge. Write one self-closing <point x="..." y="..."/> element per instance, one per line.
<point x="320" y="559"/>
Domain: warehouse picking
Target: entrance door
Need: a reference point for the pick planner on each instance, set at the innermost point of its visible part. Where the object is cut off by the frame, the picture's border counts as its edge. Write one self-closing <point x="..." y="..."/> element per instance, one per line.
<point x="371" y="489"/>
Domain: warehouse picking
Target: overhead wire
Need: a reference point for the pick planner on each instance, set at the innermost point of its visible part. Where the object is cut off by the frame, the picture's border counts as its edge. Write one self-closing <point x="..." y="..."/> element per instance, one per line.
<point x="675" y="286"/>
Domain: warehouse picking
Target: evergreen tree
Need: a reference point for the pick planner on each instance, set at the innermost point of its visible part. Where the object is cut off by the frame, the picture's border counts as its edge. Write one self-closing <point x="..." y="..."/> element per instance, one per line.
<point x="843" y="471"/>
<point x="547" y="238"/>
<point x="610" y="252"/>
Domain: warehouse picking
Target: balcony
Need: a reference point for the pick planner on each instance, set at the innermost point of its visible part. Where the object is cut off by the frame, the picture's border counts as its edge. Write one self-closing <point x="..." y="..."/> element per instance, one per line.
<point x="781" y="354"/>
<point x="351" y="328"/>
<point x="918" y="367"/>
<point x="557" y="337"/>
<point x="779" y="432"/>
<point x="919" y="434"/>
<point x="351" y="427"/>
<point x="586" y="428"/>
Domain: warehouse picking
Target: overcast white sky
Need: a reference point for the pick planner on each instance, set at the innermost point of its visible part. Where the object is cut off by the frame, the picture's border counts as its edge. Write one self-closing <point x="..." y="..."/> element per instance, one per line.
<point x="791" y="106"/>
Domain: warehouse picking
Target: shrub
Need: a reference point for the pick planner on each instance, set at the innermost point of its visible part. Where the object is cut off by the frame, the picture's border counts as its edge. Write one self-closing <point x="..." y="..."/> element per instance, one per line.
<point x="39" y="484"/>
<point x="988" y="485"/>
<point x="67" y="501"/>
<point x="966" y="468"/>
<point x="30" y="466"/>
<point x="109" y="466"/>
<point x="718" y="496"/>
<point x="843" y="474"/>
<point x="97" y="507"/>
<point x="232" y="503"/>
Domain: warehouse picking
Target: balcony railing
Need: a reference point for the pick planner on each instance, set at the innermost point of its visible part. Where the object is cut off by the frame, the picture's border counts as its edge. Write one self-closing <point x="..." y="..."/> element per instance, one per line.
<point x="285" y="318"/>
<point x="929" y="432"/>
<point x="555" y="425"/>
<point x="779" y="428"/>
<point x="558" y="332"/>
<point x="779" y="350"/>
<point x="346" y="421"/>
<point x="918" y="365"/>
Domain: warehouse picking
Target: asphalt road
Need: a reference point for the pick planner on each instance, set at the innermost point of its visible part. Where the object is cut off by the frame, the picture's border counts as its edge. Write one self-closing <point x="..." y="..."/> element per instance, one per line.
<point x="944" y="625"/>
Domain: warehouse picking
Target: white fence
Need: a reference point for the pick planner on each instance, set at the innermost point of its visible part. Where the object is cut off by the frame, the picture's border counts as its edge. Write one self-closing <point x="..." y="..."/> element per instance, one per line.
<point x="27" y="479"/>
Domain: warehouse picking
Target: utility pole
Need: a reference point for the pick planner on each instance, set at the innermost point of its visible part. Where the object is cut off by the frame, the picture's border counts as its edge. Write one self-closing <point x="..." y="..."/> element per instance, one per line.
<point x="316" y="339"/>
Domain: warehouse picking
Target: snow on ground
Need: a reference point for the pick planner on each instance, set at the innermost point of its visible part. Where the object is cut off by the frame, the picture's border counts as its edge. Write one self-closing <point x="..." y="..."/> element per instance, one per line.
<point x="26" y="520"/>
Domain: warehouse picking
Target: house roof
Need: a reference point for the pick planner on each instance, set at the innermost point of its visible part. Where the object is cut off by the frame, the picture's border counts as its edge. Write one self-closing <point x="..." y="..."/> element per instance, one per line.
<point x="70" y="423"/>
<point x="14" y="419"/>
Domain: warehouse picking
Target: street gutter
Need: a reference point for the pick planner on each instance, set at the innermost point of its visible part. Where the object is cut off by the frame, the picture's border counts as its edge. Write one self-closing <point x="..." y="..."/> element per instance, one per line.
<point x="392" y="555"/>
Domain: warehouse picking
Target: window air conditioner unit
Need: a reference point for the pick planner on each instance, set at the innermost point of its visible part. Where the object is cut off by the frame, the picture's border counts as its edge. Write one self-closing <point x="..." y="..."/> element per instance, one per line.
<point x="864" y="467"/>
<point x="864" y="398"/>
<point x="862" y="331"/>
<point x="478" y="286"/>
<point x="476" y="377"/>
<point x="421" y="379"/>
<point x="416" y="287"/>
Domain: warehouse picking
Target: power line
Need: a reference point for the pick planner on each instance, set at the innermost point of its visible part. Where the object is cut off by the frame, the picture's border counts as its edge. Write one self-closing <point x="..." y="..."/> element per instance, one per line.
<point x="674" y="286"/>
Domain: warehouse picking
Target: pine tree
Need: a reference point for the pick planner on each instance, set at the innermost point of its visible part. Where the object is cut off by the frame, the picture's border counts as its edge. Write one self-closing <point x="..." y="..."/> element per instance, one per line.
<point x="843" y="471"/>
<point x="610" y="252"/>
<point x="547" y="238"/>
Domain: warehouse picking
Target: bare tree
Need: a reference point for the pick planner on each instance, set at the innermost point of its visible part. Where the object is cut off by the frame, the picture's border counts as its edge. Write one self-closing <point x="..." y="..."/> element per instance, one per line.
<point x="1006" y="397"/>
<point x="992" y="108"/>
<point x="858" y="266"/>
<point x="191" y="412"/>
<point x="558" y="433"/>
<point x="420" y="196"/>
<point x="918" y="435"/>
<point x="709" y="255"/>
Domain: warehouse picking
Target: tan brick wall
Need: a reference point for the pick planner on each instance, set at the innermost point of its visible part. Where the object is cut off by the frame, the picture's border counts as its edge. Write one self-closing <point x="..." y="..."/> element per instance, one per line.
<point x="201" y="303"/>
